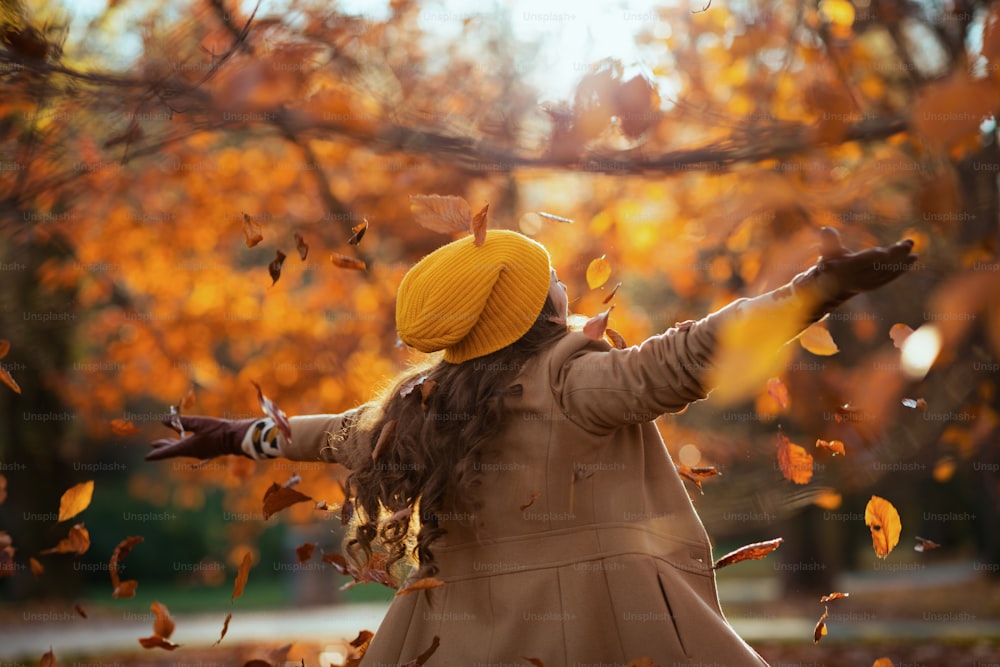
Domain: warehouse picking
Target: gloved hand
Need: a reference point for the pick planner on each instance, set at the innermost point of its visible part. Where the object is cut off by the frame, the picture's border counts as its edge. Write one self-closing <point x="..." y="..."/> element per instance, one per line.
<point x="840" y="274"/>
<point x="205" y="438"/>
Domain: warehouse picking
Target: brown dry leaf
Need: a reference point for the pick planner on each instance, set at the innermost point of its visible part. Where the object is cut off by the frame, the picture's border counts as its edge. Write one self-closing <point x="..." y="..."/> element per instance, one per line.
<point x="277" y="498"/>
<point x="535" y="495"/>
<point x="898" y="333"/>
<point x="76" y="542"/>
<point x="916" y="404"/>
<point x="950" y="110"/>
<point x="163" y="624"/>
<point x="820" y="629"/>
<point x="836" y="447"/>
<point x="438" y="213"/>
<point x="345" y="262"/>
<point x="37" y="569"/>
<point x="304" y="551"/>
<point x="157" y="641"/>
<point x="697" y="473"/>
<point x="925" y="545"/>
<point x="75" y="499"/>
<point x="595" y="326"/>
<point x="252" y="232"/>
<point x="117" y="555"/>
<point x="754" y="551"/>
<point x="610" y="296"/>
<point x="883" y="520"/>
<point x="48" y="659"/>
<point x="778" y="391"/>
<point x="358" y="232"/>
<point x="80" y="610"/>
<point x="420" y="585"/>
<point x="795" y="462"/>
<point x="125" y="590"/>
<point x="427" y="388"/>
<point x="338" y="562"/>
<point x="478" y="226"/>
<point x="944" y="469"/>
<point x="123" y="428"/>
<point x="4" y="347"/>
<point x="301" y="246"/>
<point x="225" y="629"/>
<point x="883" y="662"/>
<point x="598" y="272"/>
<point x="272" y="410"/>
<point x="833" y="596"/>
<point x="617" y="340"/>
<point x="362" y="640"/>
<point x="274" y="268"/>
<point x="388" y="429"/>
<point x="425" y="656"/>
<point x="817" y="339"/>
<point x="241" y="575"/>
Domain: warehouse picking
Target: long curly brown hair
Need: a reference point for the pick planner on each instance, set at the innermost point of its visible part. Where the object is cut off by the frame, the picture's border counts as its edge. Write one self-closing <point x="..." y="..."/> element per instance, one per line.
<point x="436" y="418"/>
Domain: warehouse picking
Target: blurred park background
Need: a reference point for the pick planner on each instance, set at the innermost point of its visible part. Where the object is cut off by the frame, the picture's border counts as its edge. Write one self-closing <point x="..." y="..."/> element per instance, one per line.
<point x="698" y="147"/>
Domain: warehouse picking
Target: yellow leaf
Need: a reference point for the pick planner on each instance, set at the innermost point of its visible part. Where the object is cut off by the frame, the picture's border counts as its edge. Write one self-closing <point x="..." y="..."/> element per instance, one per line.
<point x="817" y="339"/>
<point x="75" y="500"/>
<point x="598" y="272"/>
<point x="883" y="520"/>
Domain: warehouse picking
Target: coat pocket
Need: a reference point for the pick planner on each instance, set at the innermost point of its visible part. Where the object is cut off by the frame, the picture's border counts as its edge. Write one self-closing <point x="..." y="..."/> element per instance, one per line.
<point x="673" y="608"/>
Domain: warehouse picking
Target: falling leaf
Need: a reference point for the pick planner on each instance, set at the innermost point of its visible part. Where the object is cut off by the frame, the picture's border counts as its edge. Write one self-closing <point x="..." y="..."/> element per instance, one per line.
<point x="383" y="437"/>
<point x="883" y="662"/>
<point x="427" y="388"/>
<point x="697" y="473"/>
<point x="833" y="596"/>
<point x="277" y="498"/>
<point x="883" y="520"/>
<point x="75" y="499"/>
<point x="944" y="469"/>
<point x="301" y="246"/>
<point x="123" y="428"/>
<point x="535" y="495"/>
<point x="358" y="232"/>
<point x="125" y="590"/>
<point x="420" y="585"/>
<point x="274" y="268"/>
<point x="555" y="218"/>
<point x="899" y="333"/>
<point x="478" y="226"/>
<point x="80" y="610"/>
<point x="77" y="541"/>
<point x="834" y="446"/>
<point x="795" y="462"/>
<point x="37" y="569"/>
<point x="917" y="404"/>
<point x="754" y="551"/>
<point x="225" y="628"/>
<point x="425" y="656"/>
<point x="820" y="629"/>
<point x="817" y="339"/>
<point x="157" y="641"/>
<point x="241" y="575"/>
<point x="925" y="545"/>
<point x="610" y="296"/>
<point x="163" y="624"/>
<point x="443" y="214"/>
<point x="48" y="659"/>
<point x="304" y="552"/>
<point x="778" y="391"/>
<point x="595" y="326"/>
<point x="252" y="233"/>
<point x="345" y="262"/>
<point x="598" y="272"/>
<point x="338" y="562"/>
<point x="617" y="340"/>
<point x="122" y="589"/>
<point x="276" y="414"/>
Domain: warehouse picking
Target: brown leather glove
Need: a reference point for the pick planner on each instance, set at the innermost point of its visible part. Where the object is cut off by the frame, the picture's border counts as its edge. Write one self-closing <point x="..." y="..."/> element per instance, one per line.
<point x="205" y="438"/>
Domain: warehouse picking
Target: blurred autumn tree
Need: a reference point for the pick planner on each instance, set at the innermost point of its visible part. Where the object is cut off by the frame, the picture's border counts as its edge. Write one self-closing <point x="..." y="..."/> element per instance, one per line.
<point x="701" y="171"/>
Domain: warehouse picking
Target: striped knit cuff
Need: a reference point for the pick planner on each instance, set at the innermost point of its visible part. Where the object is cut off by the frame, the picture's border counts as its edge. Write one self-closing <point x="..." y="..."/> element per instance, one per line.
<point x="263" y="440"/>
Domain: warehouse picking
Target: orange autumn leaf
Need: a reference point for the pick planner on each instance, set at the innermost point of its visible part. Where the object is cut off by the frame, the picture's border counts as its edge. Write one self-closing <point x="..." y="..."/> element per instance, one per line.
<point x="252" y="233"/>
<point x="833" y="596"/>
<point x="241" y="575"/>
<point x="778" y="391"/>
<point x="157" y="641"/>
<point x="836" y="447"/>
<point x="754" y="551"/>
<point x="420" y="585"/>
<point x="478" y="226"/>
<point x="439" y="213"/>
<point x="122" y="589"/>
<point x="225" y="628"/>
<point x="77" y="541"/>
<point x="345" y="262"/>
<point x="304" y="552"/>
<point x="828" y="499"/>
<point x="820" y="629"/>
<point x="795" y="462"/>
<point x="883" y="520"/>
<point x="899" y="333"/>
<point x="358" y="232"/>
<point x="598" y="272"/>
<point x="817" y="339"/>
<point x="48" y="659"/>
<point x="595" y="326"/>
<point x="125" y="590"/>
<point x="122" y="427"/>
<point x="277" y="498"/>
<point x="163" y="624"/>
<point x="75" y="499"/>
<point x="697" y="473"/>
<point x="37" y="569"/>
<point x="611" y="295"/>
<point x="616" y="339"/>
<point x="883" y="662"/>
<point x="925" y="545"/>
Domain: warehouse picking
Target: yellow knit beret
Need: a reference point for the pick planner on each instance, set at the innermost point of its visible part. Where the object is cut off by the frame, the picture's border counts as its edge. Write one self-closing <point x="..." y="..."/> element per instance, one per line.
<point x="470" y="301"/>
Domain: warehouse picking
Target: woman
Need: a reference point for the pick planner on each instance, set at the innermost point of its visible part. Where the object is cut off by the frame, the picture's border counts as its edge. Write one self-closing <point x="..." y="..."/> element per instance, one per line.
<point x="548" y="503"/>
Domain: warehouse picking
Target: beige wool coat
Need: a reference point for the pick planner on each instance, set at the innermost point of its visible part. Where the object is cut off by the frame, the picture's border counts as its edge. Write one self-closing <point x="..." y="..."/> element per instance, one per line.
<point x="589" y="550"/>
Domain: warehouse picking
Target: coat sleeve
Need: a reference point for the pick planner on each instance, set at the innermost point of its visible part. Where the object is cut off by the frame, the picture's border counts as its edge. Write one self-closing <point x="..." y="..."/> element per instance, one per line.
<point x="334" y="438"/>
<point x="602" y="389"/>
